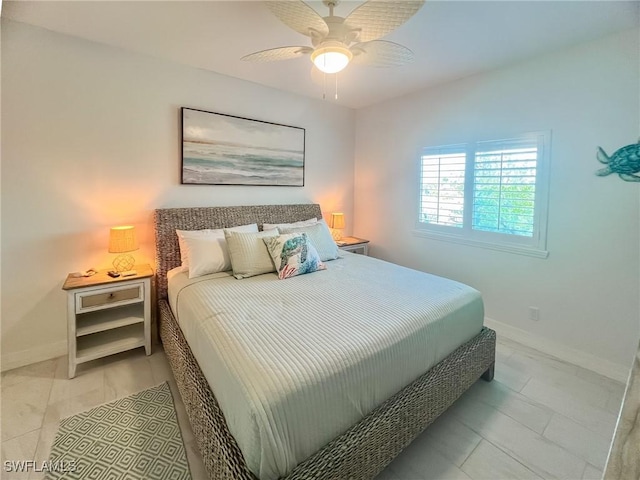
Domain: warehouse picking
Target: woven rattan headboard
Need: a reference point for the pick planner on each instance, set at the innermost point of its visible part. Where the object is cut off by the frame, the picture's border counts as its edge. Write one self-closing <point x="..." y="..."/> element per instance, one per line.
<point x="168" y="220"/>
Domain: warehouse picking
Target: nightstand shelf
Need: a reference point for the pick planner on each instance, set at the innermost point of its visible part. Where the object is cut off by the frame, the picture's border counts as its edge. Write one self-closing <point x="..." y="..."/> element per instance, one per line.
<point x="107" y="315"/>
<point x="94" y="322"/>
<point x="109" y="342"/>
<point x="354" y="245"/>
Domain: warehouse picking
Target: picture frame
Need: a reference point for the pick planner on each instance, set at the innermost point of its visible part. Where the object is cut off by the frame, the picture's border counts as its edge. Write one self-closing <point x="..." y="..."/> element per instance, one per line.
<point x="221" y="149"/>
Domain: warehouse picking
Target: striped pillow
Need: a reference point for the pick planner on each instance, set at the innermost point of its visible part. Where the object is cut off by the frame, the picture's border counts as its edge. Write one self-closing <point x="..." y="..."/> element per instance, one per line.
<point x="248" y="253"/>
<point x="216" y="235"/>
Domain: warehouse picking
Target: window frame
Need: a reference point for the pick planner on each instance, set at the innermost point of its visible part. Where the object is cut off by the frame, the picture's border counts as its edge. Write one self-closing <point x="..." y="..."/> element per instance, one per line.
<point x="446" y="150"/>
<point x="535" y="245"/>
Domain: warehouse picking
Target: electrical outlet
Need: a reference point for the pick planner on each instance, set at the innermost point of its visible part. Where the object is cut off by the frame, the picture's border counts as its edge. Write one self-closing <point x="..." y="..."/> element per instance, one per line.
<point x="534" y="314"/>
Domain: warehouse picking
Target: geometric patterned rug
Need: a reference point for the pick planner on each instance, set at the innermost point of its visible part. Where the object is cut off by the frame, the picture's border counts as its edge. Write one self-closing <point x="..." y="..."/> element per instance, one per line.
<point x="134" y="438"/>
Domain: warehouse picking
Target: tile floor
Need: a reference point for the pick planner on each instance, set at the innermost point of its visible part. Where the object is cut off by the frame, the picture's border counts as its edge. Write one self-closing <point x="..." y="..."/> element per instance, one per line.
<point x="539" y="418"/>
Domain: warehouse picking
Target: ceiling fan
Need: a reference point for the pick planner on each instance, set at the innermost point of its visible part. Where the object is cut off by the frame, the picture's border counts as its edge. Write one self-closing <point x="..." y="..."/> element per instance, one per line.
<point x="337" y="41"/>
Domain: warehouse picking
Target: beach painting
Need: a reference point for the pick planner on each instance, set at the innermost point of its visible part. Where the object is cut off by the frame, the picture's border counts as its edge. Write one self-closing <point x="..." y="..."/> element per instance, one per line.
<point x="220" y="149"/>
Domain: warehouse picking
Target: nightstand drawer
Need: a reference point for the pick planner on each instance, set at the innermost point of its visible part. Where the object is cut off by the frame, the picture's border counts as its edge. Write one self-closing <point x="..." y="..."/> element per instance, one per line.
<point x="107" y="298"/>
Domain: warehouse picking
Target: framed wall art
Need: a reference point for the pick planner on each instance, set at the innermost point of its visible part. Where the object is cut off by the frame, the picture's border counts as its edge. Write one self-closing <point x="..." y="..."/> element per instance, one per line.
<point x="219" y="149"/>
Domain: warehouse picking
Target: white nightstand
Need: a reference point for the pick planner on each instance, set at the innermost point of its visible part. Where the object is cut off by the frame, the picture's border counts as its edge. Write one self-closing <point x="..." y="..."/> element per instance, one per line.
<point x="107" y="315"/>
<point x="354" y="244"/>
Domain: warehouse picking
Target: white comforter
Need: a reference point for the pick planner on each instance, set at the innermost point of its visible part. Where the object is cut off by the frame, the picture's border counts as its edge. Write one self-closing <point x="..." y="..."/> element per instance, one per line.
<point x="296" y="362"/>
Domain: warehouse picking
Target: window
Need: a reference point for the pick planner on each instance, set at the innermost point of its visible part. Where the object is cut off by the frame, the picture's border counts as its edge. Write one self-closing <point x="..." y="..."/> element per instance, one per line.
<point x="443" y="172"/>
<point x="488" y="193"/>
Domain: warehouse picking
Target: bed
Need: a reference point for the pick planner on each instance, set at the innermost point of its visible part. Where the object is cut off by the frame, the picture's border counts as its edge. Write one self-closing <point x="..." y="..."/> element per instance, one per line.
<point x="361" y="449"/>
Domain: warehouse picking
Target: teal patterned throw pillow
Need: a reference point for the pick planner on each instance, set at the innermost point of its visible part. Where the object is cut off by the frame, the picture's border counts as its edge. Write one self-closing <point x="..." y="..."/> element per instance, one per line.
<point x="293" y="255"/>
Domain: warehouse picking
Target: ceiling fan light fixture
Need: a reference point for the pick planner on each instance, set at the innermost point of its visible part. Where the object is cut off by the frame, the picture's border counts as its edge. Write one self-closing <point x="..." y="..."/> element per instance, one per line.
<point x="331" y="57"/>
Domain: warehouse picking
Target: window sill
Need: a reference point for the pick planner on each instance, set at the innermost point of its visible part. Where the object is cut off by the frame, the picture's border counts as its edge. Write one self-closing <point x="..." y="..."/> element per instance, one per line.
<point x="502" y="247"/>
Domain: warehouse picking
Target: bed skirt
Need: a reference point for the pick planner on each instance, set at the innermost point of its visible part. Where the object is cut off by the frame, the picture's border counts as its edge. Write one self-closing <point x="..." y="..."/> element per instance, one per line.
<point x="361" y="452"/>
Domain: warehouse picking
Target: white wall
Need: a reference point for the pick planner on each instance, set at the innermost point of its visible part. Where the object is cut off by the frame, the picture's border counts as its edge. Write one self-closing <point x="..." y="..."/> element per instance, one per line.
<point x="587" y="290"/>
<point x="91" y="139"/>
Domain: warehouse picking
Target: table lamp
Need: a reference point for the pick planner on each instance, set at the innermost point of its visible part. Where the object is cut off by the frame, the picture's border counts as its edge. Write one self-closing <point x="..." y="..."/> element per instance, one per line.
<point x="123" y="240"/>
<point x="337" y="225"/>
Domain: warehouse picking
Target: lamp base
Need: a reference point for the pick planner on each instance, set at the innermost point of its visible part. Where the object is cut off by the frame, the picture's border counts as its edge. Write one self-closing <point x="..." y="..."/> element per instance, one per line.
<point x="123" y="262"/>
<point x="336" y="234"/>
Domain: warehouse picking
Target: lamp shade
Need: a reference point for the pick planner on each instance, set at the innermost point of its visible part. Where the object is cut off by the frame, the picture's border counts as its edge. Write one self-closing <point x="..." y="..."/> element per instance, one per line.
<point x="123" y="239"/>
<point x="331" y="57"/>
<point x="337" y="220"/>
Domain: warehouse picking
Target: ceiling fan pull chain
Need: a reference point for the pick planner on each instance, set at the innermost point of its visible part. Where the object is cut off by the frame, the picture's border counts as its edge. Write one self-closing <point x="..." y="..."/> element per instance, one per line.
<point x="336" y="86"/>
<point x="324" y="86"/>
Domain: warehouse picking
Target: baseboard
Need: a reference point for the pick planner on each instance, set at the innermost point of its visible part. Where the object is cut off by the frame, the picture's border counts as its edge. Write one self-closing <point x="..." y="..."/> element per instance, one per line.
<point x="33" y="355"/>
<point x="582" y="359"/>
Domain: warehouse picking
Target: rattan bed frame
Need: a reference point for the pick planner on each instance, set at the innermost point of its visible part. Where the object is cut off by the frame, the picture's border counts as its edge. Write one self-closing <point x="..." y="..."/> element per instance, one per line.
<point x="359" y="453"/>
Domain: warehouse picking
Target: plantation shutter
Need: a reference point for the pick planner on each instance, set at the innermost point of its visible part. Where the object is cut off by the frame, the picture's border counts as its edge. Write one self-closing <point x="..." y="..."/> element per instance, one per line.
<point x="504" y="188"/>
<point x="442" y="175"/>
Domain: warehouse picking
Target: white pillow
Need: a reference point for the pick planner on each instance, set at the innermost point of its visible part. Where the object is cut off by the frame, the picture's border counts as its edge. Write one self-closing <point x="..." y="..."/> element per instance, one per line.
<point x="212" y="235"/>
<point x="320" y="237"/>
<point x="207" y="255"/>
<point x="249" y="254"/>
<point x="303" y="223"/>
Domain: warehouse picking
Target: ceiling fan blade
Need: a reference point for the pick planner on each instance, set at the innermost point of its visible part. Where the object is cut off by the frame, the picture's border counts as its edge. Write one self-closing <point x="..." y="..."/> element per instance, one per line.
<point x="377" y="18"/>
<point x="299" y="16"/>
<point x="380" y="53"/>
<point x="275" y="54"/>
